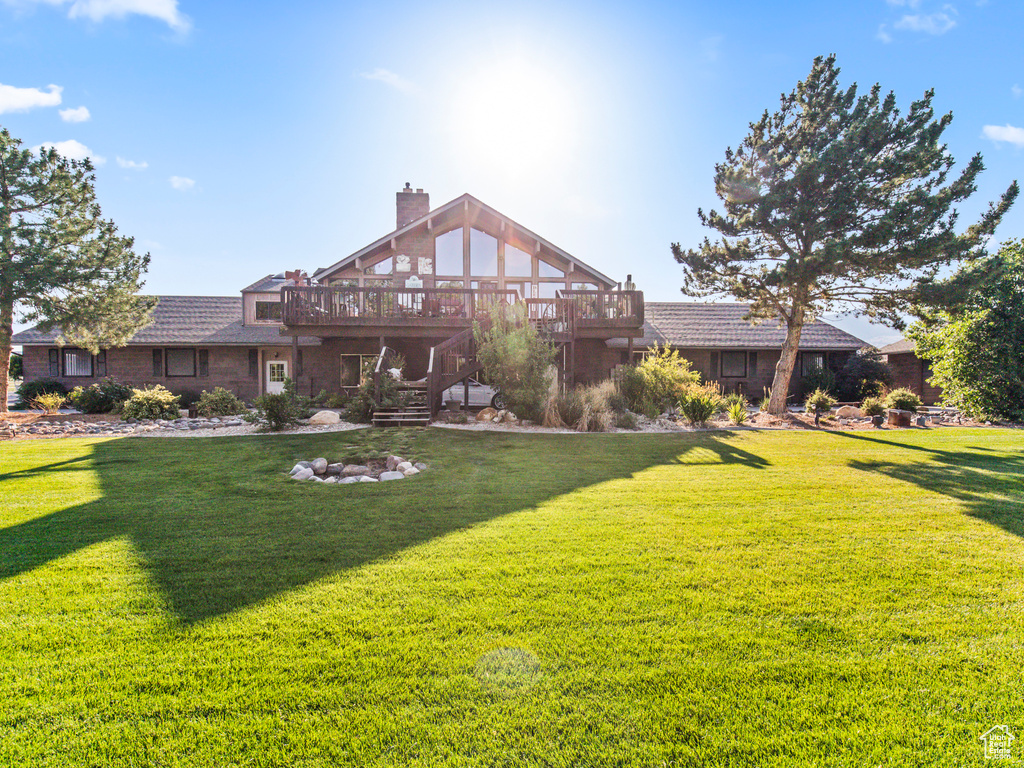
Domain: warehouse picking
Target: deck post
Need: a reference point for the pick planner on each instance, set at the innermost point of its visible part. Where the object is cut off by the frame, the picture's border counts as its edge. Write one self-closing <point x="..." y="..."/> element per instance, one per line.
<point x="295" y="364"/>
<point x="629" y="352"/>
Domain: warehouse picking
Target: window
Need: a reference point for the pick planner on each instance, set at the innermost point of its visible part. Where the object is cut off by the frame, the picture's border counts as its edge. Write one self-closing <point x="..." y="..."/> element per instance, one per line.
<point x="448" y="253"/>
<point x="547" y="290"/>
<point x="298" y="363"/>
<point x="517" y="263"/>
<point x="383" y="267"/>
<point x="354" y="368"/>
<point x="158" y="362"/>
<point x="77" y="362"/>
<point x="254" y="363"/>
<point x="753" y="363"/>
<point x="714" y="365"/>
<point x="268" y="311"/>
<point x="101" y="363"/>
<point x="547" y="270"/>
<point x="734" y="365"/>
<point x="812" y="361"/>
<point x="584" y="287"/>
<point x="204" y="362"/>
<point x="483" y="254"/>
<point x="180" y="362"/>
<point x="54" y="364"/>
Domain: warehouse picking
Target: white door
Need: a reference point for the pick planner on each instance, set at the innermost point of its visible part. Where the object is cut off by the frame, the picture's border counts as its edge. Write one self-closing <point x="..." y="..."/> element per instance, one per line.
<point x="277" y="372"/>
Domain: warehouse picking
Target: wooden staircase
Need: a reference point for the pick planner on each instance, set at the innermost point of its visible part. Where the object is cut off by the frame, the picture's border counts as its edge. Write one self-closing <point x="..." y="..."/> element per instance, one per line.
<point x="413" y="413"/>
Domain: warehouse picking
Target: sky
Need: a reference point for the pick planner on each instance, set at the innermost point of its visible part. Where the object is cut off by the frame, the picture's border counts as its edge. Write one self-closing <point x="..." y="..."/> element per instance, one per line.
<point x="233" y="140"/>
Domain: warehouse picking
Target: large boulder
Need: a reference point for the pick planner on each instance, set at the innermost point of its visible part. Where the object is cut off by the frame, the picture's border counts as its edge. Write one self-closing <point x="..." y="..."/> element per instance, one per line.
<point x="335" y="469"/>
<point x="393" y="462"/>
<point x="304" y="474"/>
<point x="403" y="466"/>
<point x="486" y="414"/>
<point x="391" y="475"/>
<point x="351" y="470"/>
<point x="849" y="412"/>
<point x="410" y="471"/>
<point x="319" y="466"/>
<point x="324" y="417"/>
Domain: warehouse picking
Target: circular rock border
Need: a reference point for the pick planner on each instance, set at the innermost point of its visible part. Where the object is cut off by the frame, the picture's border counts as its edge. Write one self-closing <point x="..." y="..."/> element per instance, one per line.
<point x="320" y="470"/>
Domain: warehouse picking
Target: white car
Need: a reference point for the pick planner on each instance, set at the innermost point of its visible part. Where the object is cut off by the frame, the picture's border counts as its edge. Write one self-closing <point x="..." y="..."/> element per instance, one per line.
<point x="480" y="395"/>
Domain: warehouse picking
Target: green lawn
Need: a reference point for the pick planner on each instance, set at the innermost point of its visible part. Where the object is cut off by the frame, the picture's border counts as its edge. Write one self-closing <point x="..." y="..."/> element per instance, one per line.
<point x="740" y="599"/>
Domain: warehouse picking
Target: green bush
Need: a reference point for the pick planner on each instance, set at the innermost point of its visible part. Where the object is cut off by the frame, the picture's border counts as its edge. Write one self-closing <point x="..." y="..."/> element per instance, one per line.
<point x="902" y="400"/>
<point x="863" y="375"/>
<point x="823" y="379"/>
<point x="667" y="376"/>
<point x="626" y="420"/>
<point x="737" y="412"/>
<point x="699" y="405"/>
<point x="30" y="390"/>
<point x="49" y="402"/>
<point x="151" y="403"/>
<point x="273" y="412"/>
<point x="565" y="410"/>
<point x="220" y="402"/>
<point x="734" y="398"/>
<point x="819" y="401"/>
<point x="630" y="382"/>
<point x="16" y="368"/>
<point x="105" y="396"/>
<point x="873" y="406"/>
<point x="515" y="359"/>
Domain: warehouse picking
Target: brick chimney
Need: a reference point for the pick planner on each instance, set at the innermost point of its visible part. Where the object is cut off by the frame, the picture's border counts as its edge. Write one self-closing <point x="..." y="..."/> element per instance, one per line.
<point x="411" y="205"/>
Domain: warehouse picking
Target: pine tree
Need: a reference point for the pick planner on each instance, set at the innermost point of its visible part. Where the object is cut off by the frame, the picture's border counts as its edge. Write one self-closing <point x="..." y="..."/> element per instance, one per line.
<point x="61" y="264"/>
<point x="837" y="203"/>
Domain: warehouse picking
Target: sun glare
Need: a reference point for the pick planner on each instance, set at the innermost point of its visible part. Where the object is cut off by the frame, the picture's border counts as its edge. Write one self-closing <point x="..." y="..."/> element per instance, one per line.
<point x="514" y="117"/>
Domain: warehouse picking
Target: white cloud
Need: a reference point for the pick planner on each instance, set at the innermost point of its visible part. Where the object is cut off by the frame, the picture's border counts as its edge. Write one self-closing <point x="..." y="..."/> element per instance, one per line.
<point x="389" y="78"/>
<point x="14" y="99"/>
<point x="182" y="183"/>
<point x="907" y="3"/>
<point x="75" y="150"/>
<point x="98" y="10"/>
<point x="882" y="35"/>
<point x="1008" y="133"/>
<point x="1016" y="90"/>
<point x="132" y="165"/>
<point x="76" y="115"/>
<point x="937" y="23"/>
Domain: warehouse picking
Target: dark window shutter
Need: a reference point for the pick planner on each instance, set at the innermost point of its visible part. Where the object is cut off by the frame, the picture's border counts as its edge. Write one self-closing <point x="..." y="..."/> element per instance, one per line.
<point x="298" y="364"/>
<point x="204" y="362"/>
<point x="101" y="363"/>
<point x="752" y="364"/>
<point x="54" y="364"/>
<point x="254" y="363"/>
<point x="714" y="366"/>
<point x="158" y="362"/>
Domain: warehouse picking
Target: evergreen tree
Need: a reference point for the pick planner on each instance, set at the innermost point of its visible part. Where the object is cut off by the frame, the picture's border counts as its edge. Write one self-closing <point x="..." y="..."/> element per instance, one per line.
<point x="61" y="264"/>
<point x="977" y="350"/>
<point x="837" y="202"/>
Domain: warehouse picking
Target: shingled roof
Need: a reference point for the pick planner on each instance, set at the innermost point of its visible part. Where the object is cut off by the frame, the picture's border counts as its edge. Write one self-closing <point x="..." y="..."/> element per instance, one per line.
<point x="898" y="347"/>
<point x="721" y="326"/>
<point x="192" y="320"/>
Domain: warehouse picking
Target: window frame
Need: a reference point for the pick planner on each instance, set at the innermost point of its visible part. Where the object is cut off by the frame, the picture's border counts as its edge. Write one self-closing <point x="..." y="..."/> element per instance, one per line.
<point x="737" y="355"/>
<point x="361" y="368"/>
<point x="270" y="319"/>
<point x="805" y="356"/>
<point x="64" y="363"/>
<point x="167" y="366"/>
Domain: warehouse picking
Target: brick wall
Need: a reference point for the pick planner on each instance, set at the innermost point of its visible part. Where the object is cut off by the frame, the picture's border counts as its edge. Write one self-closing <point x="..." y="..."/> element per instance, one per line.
<point x="912" y="373"/>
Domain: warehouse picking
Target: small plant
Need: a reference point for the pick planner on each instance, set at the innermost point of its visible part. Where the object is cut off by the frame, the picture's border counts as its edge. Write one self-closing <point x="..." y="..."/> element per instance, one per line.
<point x="30" y="390"/>
<point x="151" y="403"/>
<point x="630" y="384"/>
<point x="49" y="402"/>
<point x="819" y="401"/>
<point x="699" y="405"/>
<point x="765" y="399"/>
<point x="597" y="414"/>
<point x="626" y="420"/>
<point x="565" y="409"/>
<point x="272" y="411"/>
<point x="105" y="396"/>
<point x="220" y="402"/>
<point x="737" y="412"/>
<point x="873" y="406"/>
<point x="902" y="400"/>
<point x="731" y="399"/>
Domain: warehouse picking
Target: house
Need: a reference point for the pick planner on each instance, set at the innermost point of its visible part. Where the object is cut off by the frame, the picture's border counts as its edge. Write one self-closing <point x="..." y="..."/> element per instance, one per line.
<point x="726" y="348"/>
<point x="911" y="372"/>
<point x="416" y="292"/>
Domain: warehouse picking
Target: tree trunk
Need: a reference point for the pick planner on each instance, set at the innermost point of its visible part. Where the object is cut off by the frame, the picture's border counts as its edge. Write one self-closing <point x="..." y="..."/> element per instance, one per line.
<point x="787" y="361"/>
<point x="6" y="330"/>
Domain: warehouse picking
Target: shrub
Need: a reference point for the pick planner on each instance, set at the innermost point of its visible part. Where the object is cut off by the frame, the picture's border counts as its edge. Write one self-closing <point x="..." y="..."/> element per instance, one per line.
<point x="49" y="402"/>
<point x="187" y="397"/>
<point x="151" y="403"/>
<point x="699" y="405"/>
<point x="626" y="420"/>
<point x="902" y="400"/>
<point x="597" y="413"/>
<point x="220" y="402"/>
<point x="873" y="406"/>
<point x="515" y="360"/>
<point x="16" y="368"/>
<point x="630" y="382"/>
<point x="863" y="375"/>
<point x="823" y="379"/>
<point x="737" y="412"/>
<point x="565" y="409"/>
<point x="819" y="401"/>
<point x="30" y="390"/>
<point x="666" y="376"/>
<point x="273" y="412"/>
<point x="105" y="396"/>
<point x="734" y="398"/>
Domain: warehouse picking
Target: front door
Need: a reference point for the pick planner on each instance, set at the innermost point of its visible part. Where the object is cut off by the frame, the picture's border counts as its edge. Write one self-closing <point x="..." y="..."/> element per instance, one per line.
<point x="277" y="372"/>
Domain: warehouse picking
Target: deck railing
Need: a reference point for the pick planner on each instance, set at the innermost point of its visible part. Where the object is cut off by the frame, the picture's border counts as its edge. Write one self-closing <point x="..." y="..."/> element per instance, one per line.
<point x="337" y="305"/>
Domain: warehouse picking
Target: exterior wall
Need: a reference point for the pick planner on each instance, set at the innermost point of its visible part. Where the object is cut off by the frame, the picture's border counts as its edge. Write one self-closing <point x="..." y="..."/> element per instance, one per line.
<point x="410" y="206"/>
<point x="249" y="306"/>
<point x="912" y="373"/>
<point x="228" y="368"/>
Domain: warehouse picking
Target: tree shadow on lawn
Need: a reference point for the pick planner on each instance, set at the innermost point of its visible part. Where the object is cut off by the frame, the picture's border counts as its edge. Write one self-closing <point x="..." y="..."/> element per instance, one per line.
<point x="988" y="483"/>
<point x="219" y="526"/>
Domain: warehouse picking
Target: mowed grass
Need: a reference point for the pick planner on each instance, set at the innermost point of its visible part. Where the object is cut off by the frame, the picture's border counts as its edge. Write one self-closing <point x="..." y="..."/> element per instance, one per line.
<point x="740" y="599"/>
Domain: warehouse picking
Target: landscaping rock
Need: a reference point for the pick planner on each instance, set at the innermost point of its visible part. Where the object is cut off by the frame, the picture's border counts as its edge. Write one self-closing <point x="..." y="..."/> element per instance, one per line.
<point x="367" y="479"/>
<point x="355" y="469"/>
<point x="391" y="475"/>
<point x="393" y="462"/>
<point x="314" y="478"/>
<point x="298" y="468"/>
<point x="303" y="464"/>
<point x="304" y="474"/>
<point x="334" y="469"/>
<point x="899" y="418"/>
<point x="849" y="412"/>
<point x="420" y="466"/>
<point x="347" y="480"/>
<point x="410" y="471"/>
<point x="331" y="479"/>
<point x="319" y="466"/>
<point x="324" y="417"/>
<point x="487" y="414"/>
<point x="508" y="417"/>
<point x="404" y="466"/>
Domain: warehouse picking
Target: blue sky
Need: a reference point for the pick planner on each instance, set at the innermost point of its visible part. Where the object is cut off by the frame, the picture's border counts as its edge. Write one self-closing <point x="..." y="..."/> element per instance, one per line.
<point x="239" y="139"/>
